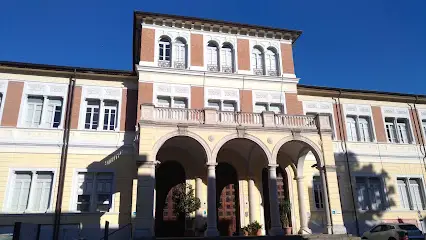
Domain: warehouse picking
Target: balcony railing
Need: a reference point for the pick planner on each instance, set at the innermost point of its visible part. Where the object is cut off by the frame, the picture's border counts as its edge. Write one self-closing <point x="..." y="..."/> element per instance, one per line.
<point x="212" y="68"/>
<point x="258" y="71"/>
<point x="207" y="116"/>
<point x="164" y="63"/>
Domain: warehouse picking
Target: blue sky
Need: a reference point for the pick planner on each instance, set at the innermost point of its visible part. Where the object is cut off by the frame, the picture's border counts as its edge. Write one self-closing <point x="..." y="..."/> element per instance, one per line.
<point x="363" y="44"/>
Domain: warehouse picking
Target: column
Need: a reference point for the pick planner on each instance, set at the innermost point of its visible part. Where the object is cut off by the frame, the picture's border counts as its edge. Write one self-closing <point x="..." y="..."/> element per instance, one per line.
<point x="144" y="220"/>
<point x="276" y="229"/>
<point x="302" y="210"/>
<point x="251" y="189"/>
<point x="198" y="194"/>
<point x="211" y="202"/>
<point x="328" y="229"/>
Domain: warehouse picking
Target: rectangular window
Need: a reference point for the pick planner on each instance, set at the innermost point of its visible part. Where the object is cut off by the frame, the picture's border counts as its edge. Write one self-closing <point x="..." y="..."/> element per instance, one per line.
<point x="369" y="193"/>
<point x="34" y="111"/>
<point x="260" y="107"/>
<point x="163" y="101"/>
<point x="180" y="102"/>
<point x="403" y="193"/>
<point x="31" y="191"/>
<point x="364" y="129"/>
<point x="397" y="130"/>
<point x="226" y="57"/>
<point x="229" y="106"/>
<point x="277" y="108"/>
<point x="411" y="193"/>
<point x="92" y="114"/>
<point x="318" y="194"/>
<point x="214" y="104"/>
<point x="94" y="193"/>
<point x="110" y="115"/>
<point x="212" y="56"/>
<point x="351" y="128"/>
<point x="359" y="128"/>
<point x="54" y="112"/>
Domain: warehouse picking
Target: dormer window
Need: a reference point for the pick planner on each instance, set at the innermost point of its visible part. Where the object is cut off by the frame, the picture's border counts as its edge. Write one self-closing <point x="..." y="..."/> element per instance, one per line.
<point x="257" y="61"/>
<point x="226" y="58"/>
<point x="164" y="52"/>
<point x="212" y="57"/>
<point x="271" y="62"/>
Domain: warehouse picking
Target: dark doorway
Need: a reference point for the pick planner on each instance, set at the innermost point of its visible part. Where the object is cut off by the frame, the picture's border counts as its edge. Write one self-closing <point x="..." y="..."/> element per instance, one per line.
<point x="227" y="198"/>
<point x="282" y="188"/>
<point x="168" y="175"/>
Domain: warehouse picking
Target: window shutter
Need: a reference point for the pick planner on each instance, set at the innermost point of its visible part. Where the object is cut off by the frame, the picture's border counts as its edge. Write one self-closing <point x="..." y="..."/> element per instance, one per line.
<point x="402" y="130"/>
<point x="375" y="193"/>
<point x="43" y="191"/>
<point x="364" y="126"/>
<point x="416" y="194"/>
<point x="403" y="194"/>
<point x="351" y="129"/>
<point x="21" y="192"/>
<point x="362" y="193"/>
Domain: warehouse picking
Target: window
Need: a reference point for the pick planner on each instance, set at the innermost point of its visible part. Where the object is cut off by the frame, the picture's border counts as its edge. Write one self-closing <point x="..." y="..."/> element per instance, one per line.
<point x="94" y="192"/>
<point x="330" y="118"/>
<point x="31" y="191"/>
<point x="226" y="59"/>
<point x="257" y="61"/>
<point x="223" y="105"/>
<point x="174" y="102"/>
<point x="229" y="106"/>
<point x="212" y="57"/>
<point x="164" y="47"/>
<point x="214" y="104"/>
<point x="318" y="194"/>
<point x="179" y="53"/>
<point x="98" y="111"/>
<point x="411" y="193"/>
<point x="271" y="62"/>
<point x="43" y="112"/>
<point x="397" y="130"/>
<point x="370" y="193"/>
<point x="273" y="107"/>
<point x="358" y="128"/>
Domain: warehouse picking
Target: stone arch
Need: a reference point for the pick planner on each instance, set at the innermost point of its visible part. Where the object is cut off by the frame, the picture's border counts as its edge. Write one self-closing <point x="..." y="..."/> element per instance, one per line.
<point x="194" y="136"/>
<point x="230" y="137"/>
<point x="310" y="146"/>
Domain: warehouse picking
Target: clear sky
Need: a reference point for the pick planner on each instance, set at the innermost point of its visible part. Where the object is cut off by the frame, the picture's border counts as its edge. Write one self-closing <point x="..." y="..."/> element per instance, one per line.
<point x="361" y="44"/>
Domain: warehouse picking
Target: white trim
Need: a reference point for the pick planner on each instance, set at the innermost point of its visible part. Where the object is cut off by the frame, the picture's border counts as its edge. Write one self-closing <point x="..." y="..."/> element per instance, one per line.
<point x="268" y="98"/>
<point x="422" y="186"/>
<point x="171" y="90"/>
<point x="221" y="96"/>
<point x="9" y="187"/>
<point x="3" y="92"/>
<point x="172" y="34"/>
<point x="321" y="107"/>
<point x="398" y="113"/>
<point x="360" y="110"/>
<point x="74" y="189"/>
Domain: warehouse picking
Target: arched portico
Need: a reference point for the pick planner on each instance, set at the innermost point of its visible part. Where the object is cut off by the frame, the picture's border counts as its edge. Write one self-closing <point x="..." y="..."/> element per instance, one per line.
<point x="293" y="151"/>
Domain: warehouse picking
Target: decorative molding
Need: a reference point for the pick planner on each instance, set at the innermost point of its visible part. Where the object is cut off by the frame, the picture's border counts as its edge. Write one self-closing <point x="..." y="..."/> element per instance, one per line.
<point x="268" y="97"/>
<point x="241" y="131"/>
<point x="318" y="107"/>
<point x="269" y="140"/>
<point x="45" y="89"/>
<point x="182" y="129"/>
<point x="172" y="90"/>
<point x="395" y="112"/>
<point x="211" y="138"/>
<point x="357" y="109"/>
<point x="94" y="92"/>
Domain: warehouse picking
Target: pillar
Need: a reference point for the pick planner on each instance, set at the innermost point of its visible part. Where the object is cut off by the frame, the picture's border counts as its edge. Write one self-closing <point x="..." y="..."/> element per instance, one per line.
<point x="276" y="228"/>
<point x="144" y="220"/>
<point x="251" y="189"/>
<point x="211" y="201"/>
<point x="198" y="194"/>
<point x="302" y="210"/>
<point x="328" y="229"/>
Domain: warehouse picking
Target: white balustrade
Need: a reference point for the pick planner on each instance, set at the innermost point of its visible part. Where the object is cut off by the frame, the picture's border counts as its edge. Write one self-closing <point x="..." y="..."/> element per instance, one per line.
<point x="295" y="121"/>
<point x="250" y="119"/>
<point x="227" y="117"/>
<point x="179" y="115"/>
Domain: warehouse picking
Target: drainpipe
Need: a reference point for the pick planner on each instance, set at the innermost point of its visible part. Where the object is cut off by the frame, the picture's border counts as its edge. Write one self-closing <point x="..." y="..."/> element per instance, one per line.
<point x="417" y="130"/>
<point x="326" y="179"/>
<point x="343" y="138"/>
<point x="64" y="155"/>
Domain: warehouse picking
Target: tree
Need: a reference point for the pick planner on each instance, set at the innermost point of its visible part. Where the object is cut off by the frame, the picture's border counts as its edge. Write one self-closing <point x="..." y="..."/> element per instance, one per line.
<point x="184" y="200"/>
<point x="285" y="209"/>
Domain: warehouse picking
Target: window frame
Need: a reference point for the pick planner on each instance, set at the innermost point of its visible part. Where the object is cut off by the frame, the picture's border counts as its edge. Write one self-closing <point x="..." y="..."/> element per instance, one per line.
<point x="371" y="130"/>
<point x="396" y="125"/>
<point x="267" y="57"/>
<point x="83" y="111"/>
<point x="164" y="44"/>
<point x="316" y="181"/>
<point x="209" y="58"/>
<point x="230" y="51"/>
<point x="179" y="43"/>
<point x="255" y="55"/>
<point x="45" y="102"/>
<point x="422" y="186"/>
<point x="10" y="187"/>
<point x="383" y="192"/>
<point x="74" y="189"/>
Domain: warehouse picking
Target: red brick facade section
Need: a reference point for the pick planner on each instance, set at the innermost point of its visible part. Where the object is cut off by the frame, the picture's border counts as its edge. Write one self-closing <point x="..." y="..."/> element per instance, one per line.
<point x="416" y="124"/>
<point x="197" y="97"/>
<point x="145" y="95"/>
<point x="339" y="121"/>
<point x="75" y="111"/>
<point x="128" y="110"/>
<point x="243" y="54"/>
<point x="12" y="104"/>
<point x="287" y="58"/>
<point x="294" y="106"/>
<point x="246" y="101"/>
<point x="147" y="44"/>
<point x="379" y="124"/>
<point x="197" y="56"/>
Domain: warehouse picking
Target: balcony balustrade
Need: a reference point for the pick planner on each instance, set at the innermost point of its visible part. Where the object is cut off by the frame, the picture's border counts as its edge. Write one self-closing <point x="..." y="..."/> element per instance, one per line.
<point x="208" y="116"/>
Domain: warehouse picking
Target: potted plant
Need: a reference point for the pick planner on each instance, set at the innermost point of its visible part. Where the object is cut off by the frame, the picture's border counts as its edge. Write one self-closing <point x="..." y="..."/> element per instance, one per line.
<point x="245" y="230"/>
<point x="285" y="209"/>
<point x="256" y="228"/>
<point x="185" y="203"/>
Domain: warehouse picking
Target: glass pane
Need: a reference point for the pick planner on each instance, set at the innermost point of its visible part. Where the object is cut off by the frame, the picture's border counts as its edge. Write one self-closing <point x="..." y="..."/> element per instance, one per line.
<point x="260" y="107"/>
<point x="276" y="108"/>
<point x="214" y="104"/>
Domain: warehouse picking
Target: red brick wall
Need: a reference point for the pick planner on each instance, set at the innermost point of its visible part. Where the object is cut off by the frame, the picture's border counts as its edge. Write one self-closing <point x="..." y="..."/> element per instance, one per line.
<point x="12" y="104"/>
<point x="197" y="48"/>
<point x="417" y="128"/>
<point x="340" y="123"/>
<point x="147" y="44"/>
<point x="197" y="97"/>
<point x="246" y="100"/>
<point x="379" y="124"/>
<point x="287" y="58"/>
<point x="76" y="107"/>
<point x="128" y="110"/>
<point x="145" y="95"/>
<point x="293" y="105"/>
<point x="243" y="54"/>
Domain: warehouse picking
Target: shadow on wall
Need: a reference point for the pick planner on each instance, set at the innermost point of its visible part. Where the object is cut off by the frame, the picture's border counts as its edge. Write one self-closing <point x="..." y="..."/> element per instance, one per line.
<point x="111" y="176"/>
<point x="370" y="193"/>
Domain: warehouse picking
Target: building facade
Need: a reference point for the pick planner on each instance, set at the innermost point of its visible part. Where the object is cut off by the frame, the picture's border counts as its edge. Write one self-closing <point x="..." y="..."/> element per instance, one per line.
<point x="215" y="105"/>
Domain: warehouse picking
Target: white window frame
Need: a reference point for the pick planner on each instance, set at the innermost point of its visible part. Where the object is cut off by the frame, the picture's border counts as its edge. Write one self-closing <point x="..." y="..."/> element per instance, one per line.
<point x="383" y="192"/>
<point x="422" y="185"/>
<point x="74" y="193"/>
<point x="271" y="53"/>
<point x="45" y="102"/>
<point x="227" y="49"/>
<point x="222" y="98"/>
<point x="256" y="56"/>
<point x="164" y="45"/>
<point x="270" y="100"/>
<point x="268" y="106"/>
<point x="102" y="108"/>
<point x="10" y="185"/>
<point x="3" y="93"/>
<point x="396" y="125"/>
<point x="209" y="60"/>
<point x="321" y="108"/>
<point x="178" y="45"/>
<point x="317" y="185"/>
<point x="358" y="128"/>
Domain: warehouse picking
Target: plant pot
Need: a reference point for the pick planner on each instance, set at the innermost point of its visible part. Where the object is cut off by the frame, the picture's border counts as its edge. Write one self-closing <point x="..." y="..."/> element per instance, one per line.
<point x="259" y="232"/>
<point x="287" y="230"/>
<point x="189" y="233"/>
<point x="246" y="233"/>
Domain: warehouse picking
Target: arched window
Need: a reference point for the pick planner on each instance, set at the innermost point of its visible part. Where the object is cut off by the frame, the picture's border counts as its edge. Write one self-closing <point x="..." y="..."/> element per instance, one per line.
<point x="257" y="61"/>
<point x="271" y="62"/>
<point x="212" y="57"/>
<point x="164" y="52"/>
<point x="179" y="53"/>
<point x="226" y="58"/>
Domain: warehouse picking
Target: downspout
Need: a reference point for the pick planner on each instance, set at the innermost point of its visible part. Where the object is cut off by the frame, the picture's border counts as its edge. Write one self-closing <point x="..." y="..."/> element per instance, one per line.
<point x="325" y="176"/>
<point x="417" y="130"/>
<point x="343" y="138"/>
<point x="64" y="155"/>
